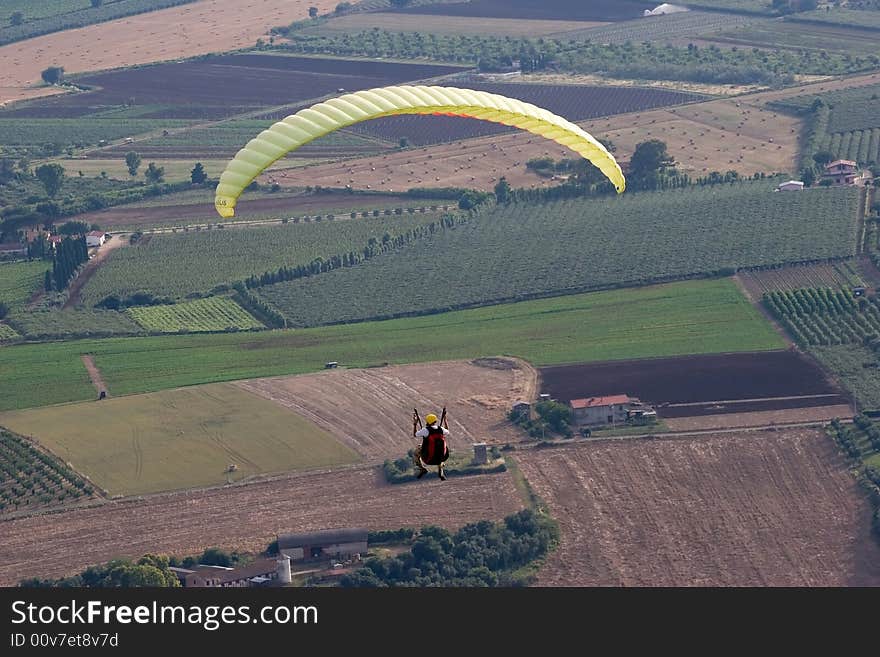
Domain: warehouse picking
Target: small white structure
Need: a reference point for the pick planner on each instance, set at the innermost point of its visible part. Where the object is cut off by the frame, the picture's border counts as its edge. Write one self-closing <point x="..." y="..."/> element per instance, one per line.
<point x="790" y="186"/>
<point x="665" y="8"/>
<point x="96" y="238"/>
<point x="283" y="569"/>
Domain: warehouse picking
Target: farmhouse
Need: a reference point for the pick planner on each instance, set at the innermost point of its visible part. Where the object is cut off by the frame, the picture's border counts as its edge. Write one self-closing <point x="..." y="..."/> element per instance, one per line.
<point x="790" y="186"/>
<point x="844" y="172"/>
<point x="612" y="409"/>
<point x="333" y="543"/>
<point x="257" y="573"/>
<point x="96" y="238"/>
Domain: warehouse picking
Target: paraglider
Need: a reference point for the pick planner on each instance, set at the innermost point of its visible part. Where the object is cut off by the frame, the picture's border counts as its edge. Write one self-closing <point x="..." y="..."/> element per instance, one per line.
<point x="433" y="450"/>
<point x="321" y="119"/>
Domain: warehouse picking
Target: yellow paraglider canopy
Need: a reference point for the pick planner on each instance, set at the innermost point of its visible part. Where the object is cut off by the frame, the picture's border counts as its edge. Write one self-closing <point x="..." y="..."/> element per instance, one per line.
<point x="316" y="121"/>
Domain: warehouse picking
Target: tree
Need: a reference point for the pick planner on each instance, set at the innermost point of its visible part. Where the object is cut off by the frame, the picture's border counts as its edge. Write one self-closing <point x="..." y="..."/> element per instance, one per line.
<point x="154" y="174"/>
<point x="97" y="3"/>
<point x="52" y="177"/>
<point x="403" y="142"/>
<point x="74" y="228"/>
<point x="16" y="18"/>
<point x="342" y="7"/>
<point x="133" y="162"/>
<point x="198" y="175"/>
<point x="53" y="75"/>
<point x="823" y="157"/>
<point x="400" y="3"/>
<point x="502" y="190"/>
<point x="647" y="162"/>
<point x="808" y="176"/>
<point x="3" y="309"/>
<point x="313" y="12"/>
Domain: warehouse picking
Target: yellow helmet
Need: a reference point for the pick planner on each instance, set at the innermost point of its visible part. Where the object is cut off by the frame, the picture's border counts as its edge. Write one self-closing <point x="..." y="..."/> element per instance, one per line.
<point x="430" y="418"/>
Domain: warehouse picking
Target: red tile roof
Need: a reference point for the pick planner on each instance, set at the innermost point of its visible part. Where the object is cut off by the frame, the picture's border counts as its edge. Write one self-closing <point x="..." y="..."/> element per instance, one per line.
<point x="590" y="402"/>
<point x="97" y="233"/>
<point x="848" y="162"/>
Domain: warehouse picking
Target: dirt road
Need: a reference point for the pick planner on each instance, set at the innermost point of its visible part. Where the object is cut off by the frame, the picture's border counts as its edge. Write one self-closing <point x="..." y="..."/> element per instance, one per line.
<point x="118" y="240"/>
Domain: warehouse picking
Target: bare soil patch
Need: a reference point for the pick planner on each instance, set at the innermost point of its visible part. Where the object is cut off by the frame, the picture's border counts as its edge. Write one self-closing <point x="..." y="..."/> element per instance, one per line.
<point x="370" y="409"/>
<point x="737" y="509"/>
<point x="185" y="31"/>
<point x="243" y="517"/>
<point x="760" y="418"/>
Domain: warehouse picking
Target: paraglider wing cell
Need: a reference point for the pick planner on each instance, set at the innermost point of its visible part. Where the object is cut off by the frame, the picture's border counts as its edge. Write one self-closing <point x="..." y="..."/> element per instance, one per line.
<point x="308" y="124"/>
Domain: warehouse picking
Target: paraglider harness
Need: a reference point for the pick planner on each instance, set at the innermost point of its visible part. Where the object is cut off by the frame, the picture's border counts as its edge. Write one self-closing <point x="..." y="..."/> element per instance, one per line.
<point x="434" y="450"/>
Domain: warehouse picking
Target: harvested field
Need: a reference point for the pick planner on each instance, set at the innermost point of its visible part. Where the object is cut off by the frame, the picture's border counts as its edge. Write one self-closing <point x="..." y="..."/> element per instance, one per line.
<point x="227" y="84"/>
<point x="574" y="102"/>
<point x="739" y="509"/>
<point x="701" y="385"/>
<point x="369" y="409"/>
<point x="281" y="206"/>
<point x="185" y="31"/>
<point x="595" y="10"/>
<point x="734" y="420"/>
<point x="245" y="517"/>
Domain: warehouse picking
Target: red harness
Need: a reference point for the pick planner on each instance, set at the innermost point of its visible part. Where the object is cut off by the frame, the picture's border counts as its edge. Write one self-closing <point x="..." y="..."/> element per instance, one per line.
<point x="434" y="448"/>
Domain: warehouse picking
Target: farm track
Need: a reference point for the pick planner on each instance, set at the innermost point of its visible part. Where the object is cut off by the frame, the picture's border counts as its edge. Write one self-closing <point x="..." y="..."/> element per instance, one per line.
<point x="244" y="517"/>
<point x="94" y="374"/>
<point x="731" y="509"/>
<point x="119" y="240"/>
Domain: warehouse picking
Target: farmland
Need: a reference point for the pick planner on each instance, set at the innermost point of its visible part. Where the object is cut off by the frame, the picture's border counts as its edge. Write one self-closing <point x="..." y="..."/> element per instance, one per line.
<point x="825" y="316"/>
<point x="851" y="108"/>
<point x="664" y="28"/>
<point x="202" y="315"/>
<point x="246" y="518"/>
<point x="186" y="31"/>
<point x="693" y="232"/>
<point x="179" y="211"/>
<point x="437" y="24"/>
<point x="680" y="318"/>
<point x="47" y="16"/>
<point x="808" y="40"/>
<point x="31" y="479"/>
<point x="364" y="408"/>
<point x="738" y="509"/>
<point x="197" y="261"/>
<point x="700" y="385"/>
<point x="7" y="333"/>
<point x="179" y="439"/>
<point x="838" y="275"/>
<point x="49" y="324"/>
<point x="576" y="103"/>
<point x="601" y="10"/>
<point x="223" y="85"/>
<point x="856" y="367"/>
<point x="839" y="16"/>
<point x="19" y="280"/>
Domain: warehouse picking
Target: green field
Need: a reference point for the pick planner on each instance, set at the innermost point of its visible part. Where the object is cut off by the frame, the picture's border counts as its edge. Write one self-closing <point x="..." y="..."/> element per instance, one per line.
<point x="179" y="438"/>
<point x="73" y="323"/>
<point x="7" y="333"/>
<point x="856" y="367"/>
<point x="19" y="280"/>
<point x="202" y="315"/>
<point x="815" y="49"/>
<point x="706" y="316"/>
<point x="526" y="250"/>
<point x="31" y="479"/>
<point x="176" y="264"/>
<point x="839" y="16"/>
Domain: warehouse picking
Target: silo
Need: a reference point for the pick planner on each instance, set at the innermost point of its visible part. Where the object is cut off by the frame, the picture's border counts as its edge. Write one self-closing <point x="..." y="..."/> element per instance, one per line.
<point x="283" y="569"/>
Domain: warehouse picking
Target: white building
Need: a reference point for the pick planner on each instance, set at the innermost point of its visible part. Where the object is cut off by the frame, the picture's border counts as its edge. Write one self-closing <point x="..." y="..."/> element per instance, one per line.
<point x="96" y="238"/>
<point x="790" y="186"/>
<point x="663" y="9"/>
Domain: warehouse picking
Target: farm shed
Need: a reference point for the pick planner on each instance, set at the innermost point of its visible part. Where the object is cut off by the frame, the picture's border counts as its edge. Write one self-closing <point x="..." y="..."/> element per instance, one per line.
<point x="334" y="543"/>
<point x="790" y="186"/>
<point x="254" y="574"/>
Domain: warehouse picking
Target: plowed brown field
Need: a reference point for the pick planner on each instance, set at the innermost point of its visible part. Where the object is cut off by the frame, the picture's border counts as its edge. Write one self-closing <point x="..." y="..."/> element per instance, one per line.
<point x="243" y="517"/>
<point x="185" y="31"/>
<point x="370" y="409"/>
<point x="761" y="508"/>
